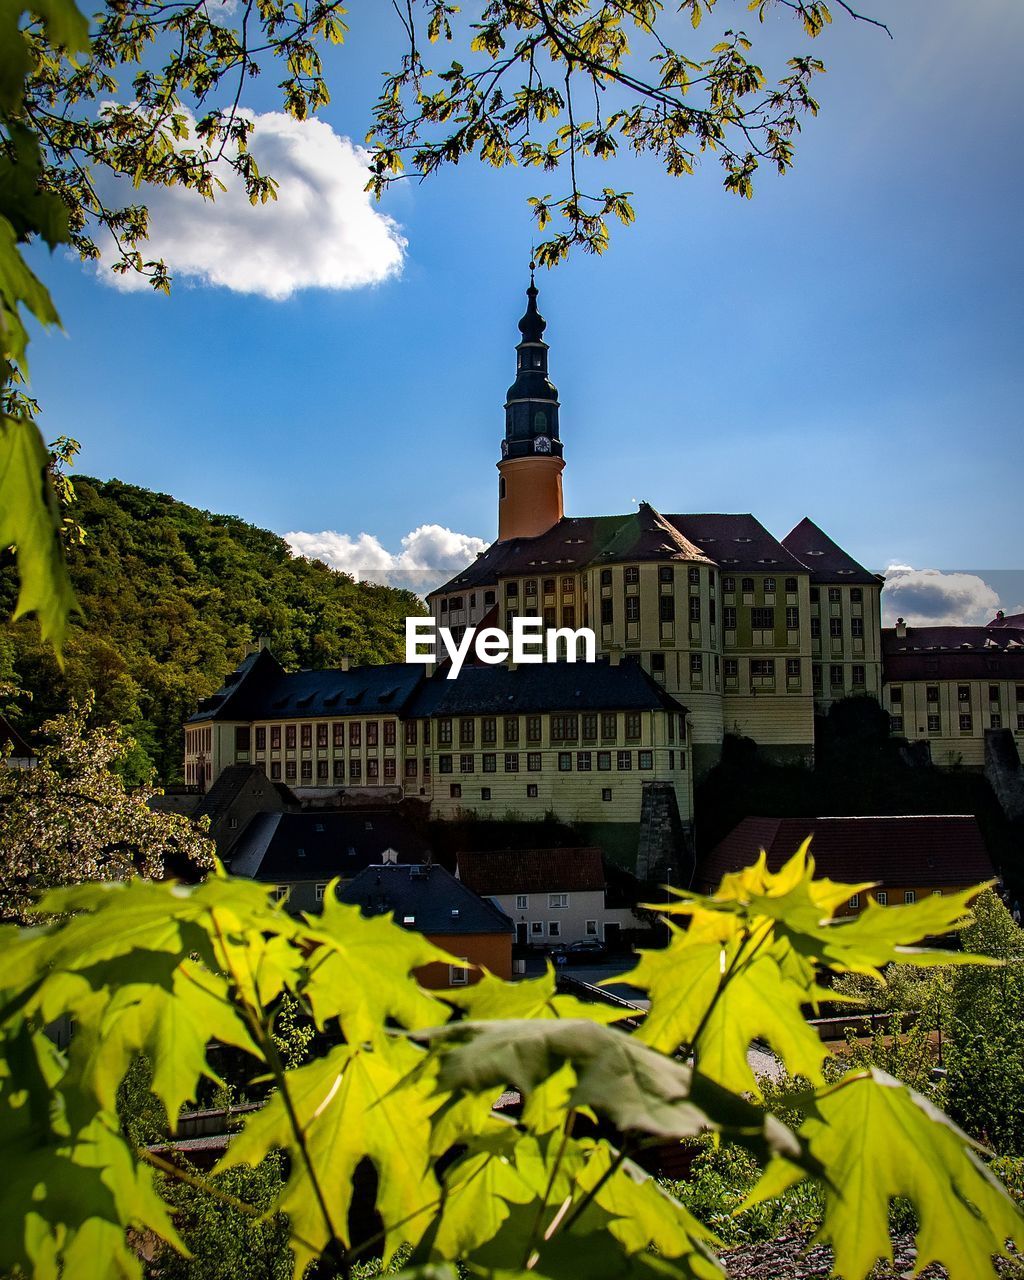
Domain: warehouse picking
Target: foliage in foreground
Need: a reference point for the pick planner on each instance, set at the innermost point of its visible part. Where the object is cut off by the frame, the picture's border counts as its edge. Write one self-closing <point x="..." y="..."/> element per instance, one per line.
<point x="157" y="970"/>
<point x="974" y="1012"/>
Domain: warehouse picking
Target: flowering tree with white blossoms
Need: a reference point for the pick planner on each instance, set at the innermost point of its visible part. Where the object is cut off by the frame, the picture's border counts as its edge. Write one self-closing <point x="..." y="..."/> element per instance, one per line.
<point x="72" y="818"/>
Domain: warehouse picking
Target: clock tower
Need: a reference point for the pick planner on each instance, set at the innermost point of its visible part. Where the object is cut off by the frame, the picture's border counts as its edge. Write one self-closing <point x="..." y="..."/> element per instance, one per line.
<point x="530" y="470"/>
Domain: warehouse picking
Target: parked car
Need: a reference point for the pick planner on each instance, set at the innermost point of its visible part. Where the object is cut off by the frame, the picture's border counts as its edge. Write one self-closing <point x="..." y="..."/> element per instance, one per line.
<point x="585" y="949"/>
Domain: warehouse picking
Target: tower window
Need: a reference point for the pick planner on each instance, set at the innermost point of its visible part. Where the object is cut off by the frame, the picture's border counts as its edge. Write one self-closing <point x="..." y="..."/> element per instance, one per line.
<point x="540" y="420"/>
<point x="501" y="486"/>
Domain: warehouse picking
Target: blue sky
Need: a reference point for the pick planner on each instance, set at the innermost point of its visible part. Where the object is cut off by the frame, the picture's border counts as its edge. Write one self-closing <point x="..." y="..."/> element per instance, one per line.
<point x="846" y="345"/>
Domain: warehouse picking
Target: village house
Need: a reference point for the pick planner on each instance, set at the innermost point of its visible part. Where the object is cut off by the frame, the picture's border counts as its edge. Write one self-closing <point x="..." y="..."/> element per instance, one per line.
<point x="301" y="853"/>
<point x="427" y="898"/>
<point x="553" y="896"/>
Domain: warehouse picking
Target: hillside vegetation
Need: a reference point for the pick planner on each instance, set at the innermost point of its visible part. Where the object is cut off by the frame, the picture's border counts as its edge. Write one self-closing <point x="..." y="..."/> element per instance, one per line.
<point x="171" y="596"/>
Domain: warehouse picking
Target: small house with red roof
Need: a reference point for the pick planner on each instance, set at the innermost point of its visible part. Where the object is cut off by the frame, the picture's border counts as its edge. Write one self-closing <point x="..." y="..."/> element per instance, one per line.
<point x="907" y="857"/>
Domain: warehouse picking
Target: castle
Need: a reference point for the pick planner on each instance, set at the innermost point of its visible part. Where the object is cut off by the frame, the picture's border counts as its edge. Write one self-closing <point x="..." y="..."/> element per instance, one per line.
<point x="706" y="625"/>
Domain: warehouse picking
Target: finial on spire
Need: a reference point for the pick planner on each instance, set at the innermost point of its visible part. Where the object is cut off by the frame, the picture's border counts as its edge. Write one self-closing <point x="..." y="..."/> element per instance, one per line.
<point x="533" y="323"/>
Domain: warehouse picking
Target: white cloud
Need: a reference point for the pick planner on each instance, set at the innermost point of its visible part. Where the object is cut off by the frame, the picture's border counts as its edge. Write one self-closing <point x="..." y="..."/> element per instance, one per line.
<point x="323" y="230"/>
<point x="930" y="597"/>
<point x="429" y="555"/>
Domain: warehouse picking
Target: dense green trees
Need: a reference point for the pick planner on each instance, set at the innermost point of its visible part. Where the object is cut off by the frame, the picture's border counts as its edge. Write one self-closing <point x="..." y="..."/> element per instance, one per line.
<point x="170" y="597"/>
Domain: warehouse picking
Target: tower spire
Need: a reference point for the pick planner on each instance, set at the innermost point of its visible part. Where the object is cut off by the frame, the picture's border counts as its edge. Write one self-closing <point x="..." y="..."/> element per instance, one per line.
<point x="530" y="488"/>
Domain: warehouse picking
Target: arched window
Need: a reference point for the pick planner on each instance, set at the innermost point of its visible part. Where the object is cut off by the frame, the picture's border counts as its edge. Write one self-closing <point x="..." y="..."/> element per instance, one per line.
<point x="540" y="420"/>
<point x="501" y="486"/>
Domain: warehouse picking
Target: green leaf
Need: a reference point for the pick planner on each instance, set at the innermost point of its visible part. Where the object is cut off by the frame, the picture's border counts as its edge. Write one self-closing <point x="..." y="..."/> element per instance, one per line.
<point x="480" y="1187"/>
<point x="747" y="964"/>
<point x="347" y="980"/>
<point x="880" y="1139"/>
<point x="644" y="1216"/>
<point x="30" y="519"/>
<point x="65" y="1204"/>
<point x="351" y="1104"/>
<point x="493" y="998"/>
<point x="135" y="1005"/>
<point x="716" y="998"/>
<point x="639" y="1089"/>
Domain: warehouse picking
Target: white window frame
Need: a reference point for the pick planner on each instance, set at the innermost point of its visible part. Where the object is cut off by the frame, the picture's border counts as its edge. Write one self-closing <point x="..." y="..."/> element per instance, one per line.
<point x="537" y="928"/>
<point x="457" y="976"/>
<point x="558" y="901"/>
<point x="882" y="898"/>
<point x="522" y="901"/>
<point x="591" y="929"/>
<point x="909" y="896"/>
<point x="554" y="928"/>
<point x="854" y="903"/>
<point x="321" y="889"/>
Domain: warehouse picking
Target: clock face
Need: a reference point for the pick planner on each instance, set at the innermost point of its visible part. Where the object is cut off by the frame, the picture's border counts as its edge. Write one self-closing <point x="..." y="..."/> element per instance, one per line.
<point x="504" y="448"/>
<point x="542" y="445"/>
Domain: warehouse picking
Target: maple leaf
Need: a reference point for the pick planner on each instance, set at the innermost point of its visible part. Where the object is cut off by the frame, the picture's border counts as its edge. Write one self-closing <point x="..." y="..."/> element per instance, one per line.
<point x="716" y="998"/>
<point x="353" y="1103"/>
<point x="494" y="998"/>
<point x="65" y="1202"/>
<point x="639" y="1089"/>
<point x="480" y="1187"/>
<point x="644" y="1216"/>
<point x="879" y="1139"/>
<point x="132" y="1005"/>
<point x="347" y="980"/>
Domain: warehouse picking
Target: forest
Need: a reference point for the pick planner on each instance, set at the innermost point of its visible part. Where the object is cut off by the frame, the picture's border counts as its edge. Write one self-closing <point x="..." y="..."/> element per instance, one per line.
<point x="170" y="596"/>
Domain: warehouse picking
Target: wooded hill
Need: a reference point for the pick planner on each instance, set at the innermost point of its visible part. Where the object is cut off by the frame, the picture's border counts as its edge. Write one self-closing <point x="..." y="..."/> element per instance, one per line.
<point x="170" y="597"/>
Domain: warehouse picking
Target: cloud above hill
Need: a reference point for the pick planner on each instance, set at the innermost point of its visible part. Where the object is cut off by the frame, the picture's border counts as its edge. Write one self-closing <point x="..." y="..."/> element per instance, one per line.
<point x="323" y="230"/>
<point x="931" y="597"/>
<point x="429" y="555"/>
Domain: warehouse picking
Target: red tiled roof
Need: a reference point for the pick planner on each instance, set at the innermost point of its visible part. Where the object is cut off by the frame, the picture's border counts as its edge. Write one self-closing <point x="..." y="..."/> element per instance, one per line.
<point x="734" y="542"/>
<point x="931" y="851"/>
<point x="532" y="871"/>
<point x="737" y="542"/>
<point x="827" y="561"/>
<point x="950" y="653"/>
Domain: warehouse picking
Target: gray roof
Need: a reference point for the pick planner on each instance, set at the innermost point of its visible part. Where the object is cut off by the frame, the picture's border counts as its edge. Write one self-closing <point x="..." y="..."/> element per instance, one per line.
<point x="286" y="848"/>
<point x="263" y="690"/>
<point x="229" y="784"/>
<point x="426" y="898"/>
<point x="260" y="688"/>
<point x="541" y="687"/>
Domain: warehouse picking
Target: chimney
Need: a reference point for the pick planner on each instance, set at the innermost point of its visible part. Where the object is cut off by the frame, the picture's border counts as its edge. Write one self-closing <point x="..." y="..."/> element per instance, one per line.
<point x="901" y="629"/>
<point x="344" y="664"/>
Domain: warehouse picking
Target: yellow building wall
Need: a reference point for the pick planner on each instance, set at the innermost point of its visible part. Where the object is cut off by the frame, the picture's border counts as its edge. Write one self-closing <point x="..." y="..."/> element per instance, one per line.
<point x="950" y="745"/>
<point x="846" y="649"/>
